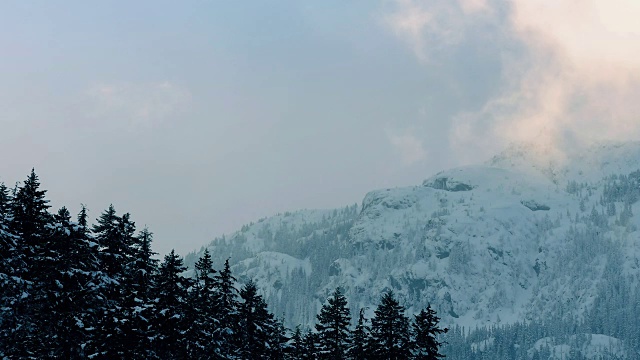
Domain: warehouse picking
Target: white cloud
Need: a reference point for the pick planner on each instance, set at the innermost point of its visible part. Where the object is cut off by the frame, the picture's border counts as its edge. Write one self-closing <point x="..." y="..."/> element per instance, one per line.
<point x="408" y="147"/>
<point x="137" y="105"/>
<point x="424" y="25"/>
<point x="579" y="78"/>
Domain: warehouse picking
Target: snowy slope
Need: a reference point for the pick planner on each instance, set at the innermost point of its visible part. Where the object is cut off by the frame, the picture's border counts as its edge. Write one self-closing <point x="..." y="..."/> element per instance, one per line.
<point x="590" y="346"/>
<point x="531" y="234"/>
<point x="287" y="256"/>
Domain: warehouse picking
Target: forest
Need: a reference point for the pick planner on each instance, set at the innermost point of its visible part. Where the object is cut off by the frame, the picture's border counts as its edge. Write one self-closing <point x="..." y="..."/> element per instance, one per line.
<point x="75" y="290"/>
<point x="72" y="290"/>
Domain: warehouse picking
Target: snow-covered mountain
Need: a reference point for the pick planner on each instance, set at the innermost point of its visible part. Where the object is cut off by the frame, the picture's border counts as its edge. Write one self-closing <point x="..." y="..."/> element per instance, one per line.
<point x="532" y="234"/>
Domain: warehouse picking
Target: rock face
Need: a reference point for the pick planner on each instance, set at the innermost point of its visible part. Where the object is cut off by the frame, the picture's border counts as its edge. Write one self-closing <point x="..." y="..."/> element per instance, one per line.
<point x="522" y="237"/>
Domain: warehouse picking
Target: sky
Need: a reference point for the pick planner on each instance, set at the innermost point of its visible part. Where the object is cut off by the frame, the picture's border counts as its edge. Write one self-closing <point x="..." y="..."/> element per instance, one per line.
<point x="197" y="117"/>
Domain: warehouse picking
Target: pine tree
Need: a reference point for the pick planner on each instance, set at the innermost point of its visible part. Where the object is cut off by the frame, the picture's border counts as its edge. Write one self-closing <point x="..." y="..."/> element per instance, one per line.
<point x="87" y="285"/>
<point x="333" y="327"/>
<point x="62" y="311"/>
<point x="10" y="263"/>
<point x="170" y="323"/>
<point x="278" y="341"/>
<point x="141" y="297"/>
<point x="256" y="322"/>
<point x="114" y="236"/>
<point x="201" y="341"/>
<point x="359" y="349"/>
<point x="390" y="330"/>
<point x="425" y="332"/>
<point x="227" y="305"/>
<point x="310" y="342"/>
<point x="31" y="223"/>
<point x="296" y="349"/>
<point x="111" y="246"/>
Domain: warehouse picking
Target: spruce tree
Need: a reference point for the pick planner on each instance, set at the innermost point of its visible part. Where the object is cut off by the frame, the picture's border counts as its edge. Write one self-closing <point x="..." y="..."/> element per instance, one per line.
<point x="141" y="300"/>
<point x="170" y="324"/>
<point x="31" y="223"/>
<point x="296" y="349"/>
<point x="425" y="333"/>
<point x="278" y="341"/>
<point x="310" y="342"/>
<point x="203" y="310"/>
<point x="390" y="330"/>
<point x="227" y="305"/>
<point x="10" y="264"/>
<point x="66" y="318"/>
<point x="256" y="322"/>
<point x="114" y="236"/>
<point x="86" y="283"/>
<point x="333" y="327"/>
<point x="359" y="349"/>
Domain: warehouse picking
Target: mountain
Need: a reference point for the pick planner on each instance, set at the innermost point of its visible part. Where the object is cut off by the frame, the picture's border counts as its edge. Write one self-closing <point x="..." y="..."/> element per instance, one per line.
<point x="531" y="235"/>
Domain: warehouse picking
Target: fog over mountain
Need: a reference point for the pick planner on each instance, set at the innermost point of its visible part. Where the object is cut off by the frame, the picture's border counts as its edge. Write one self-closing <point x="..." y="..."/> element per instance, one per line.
<point x="525" y="237"/>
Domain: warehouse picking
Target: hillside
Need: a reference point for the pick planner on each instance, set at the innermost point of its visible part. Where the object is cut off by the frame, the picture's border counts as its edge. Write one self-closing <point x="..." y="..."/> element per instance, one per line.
<point x="528" y="236"/>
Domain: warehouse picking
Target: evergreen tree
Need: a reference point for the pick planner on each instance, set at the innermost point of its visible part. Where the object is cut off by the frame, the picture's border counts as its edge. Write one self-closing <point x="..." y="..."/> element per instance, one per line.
<point x="226" y="294"/>
<point x="425" y="332"/>
<point x="111" y="247"/>
<point x="278" y="342"/>
<point x="31" y="223"/>
<point x="114" y="236"/>
<point x="5" y="203"/>
<point x="333" y="327"/>
<point x="68" y="284"/>
<point x="141" y="300"/>
<point x="390" y="330"/>
<point x="256" y="322"/>
<point x="201" y="341"/>
<point x="296" y="349"/>
<point x="85" y="286"/>
<point x="10" y="263"/>
<point x="310" y="342"/>
<point x="360" y="339"/>
<point x="170" y="323"/>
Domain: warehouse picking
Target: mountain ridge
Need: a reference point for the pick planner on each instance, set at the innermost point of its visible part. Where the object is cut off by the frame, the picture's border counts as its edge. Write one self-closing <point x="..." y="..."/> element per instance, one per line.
<point x="531" y="234"/>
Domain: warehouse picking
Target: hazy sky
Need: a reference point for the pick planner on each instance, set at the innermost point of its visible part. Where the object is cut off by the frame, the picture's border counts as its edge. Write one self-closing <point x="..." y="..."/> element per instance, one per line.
<point x="197" y="117"/>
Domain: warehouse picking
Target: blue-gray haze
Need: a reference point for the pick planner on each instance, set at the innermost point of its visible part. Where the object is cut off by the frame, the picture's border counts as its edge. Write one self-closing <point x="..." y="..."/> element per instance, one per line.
<point x="197" y="117"/>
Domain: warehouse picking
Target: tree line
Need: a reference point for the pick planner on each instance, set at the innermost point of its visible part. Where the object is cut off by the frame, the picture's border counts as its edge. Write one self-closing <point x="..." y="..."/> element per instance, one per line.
<point x="73" y="290"/>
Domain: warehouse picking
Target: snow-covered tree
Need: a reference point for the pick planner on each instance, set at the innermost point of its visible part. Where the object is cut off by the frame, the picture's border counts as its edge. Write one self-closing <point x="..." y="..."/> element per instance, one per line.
<point x="334" y="337"/>
<point x="390" y="330"/>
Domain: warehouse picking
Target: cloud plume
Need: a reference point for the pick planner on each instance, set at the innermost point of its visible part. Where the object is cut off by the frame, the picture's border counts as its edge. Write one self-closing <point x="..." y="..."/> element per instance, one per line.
<point x="577" y="80"/>
<point x="408" y="147"/>
<point x="136" y="106"/>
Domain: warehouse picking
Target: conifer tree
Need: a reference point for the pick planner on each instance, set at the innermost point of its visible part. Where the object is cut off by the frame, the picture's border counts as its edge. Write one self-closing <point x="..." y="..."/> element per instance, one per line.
<point x="425" y="332"/>
<point x="114" y="236"/>
<point x="201" y="341"/>
<point x="227" y="306"/>
<point x="141" y="297"/>
<point x="86" y="283"/>
<point x="170" y="324"/>
<point x="333" y="327"/>
<point x="359" y="349"/>
<point x="390" y="330"/>
<point x="278" y="341"/>
<point x="310" y="342"/>
<point x="256" y="322"/>
<point x="10" y="263"/>
<point x="111" y="246"/>
<point x="66" y="310"/>
<point x="31" y="223"/>
<point x="296" y="349"/>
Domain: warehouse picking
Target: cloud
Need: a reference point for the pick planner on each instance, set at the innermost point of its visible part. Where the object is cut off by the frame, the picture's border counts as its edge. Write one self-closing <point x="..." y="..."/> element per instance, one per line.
<point x="137" y="105"/>
<point x="426" y="24"/>
<point x="577" y="81"/>
<point x="408" y="147"/>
